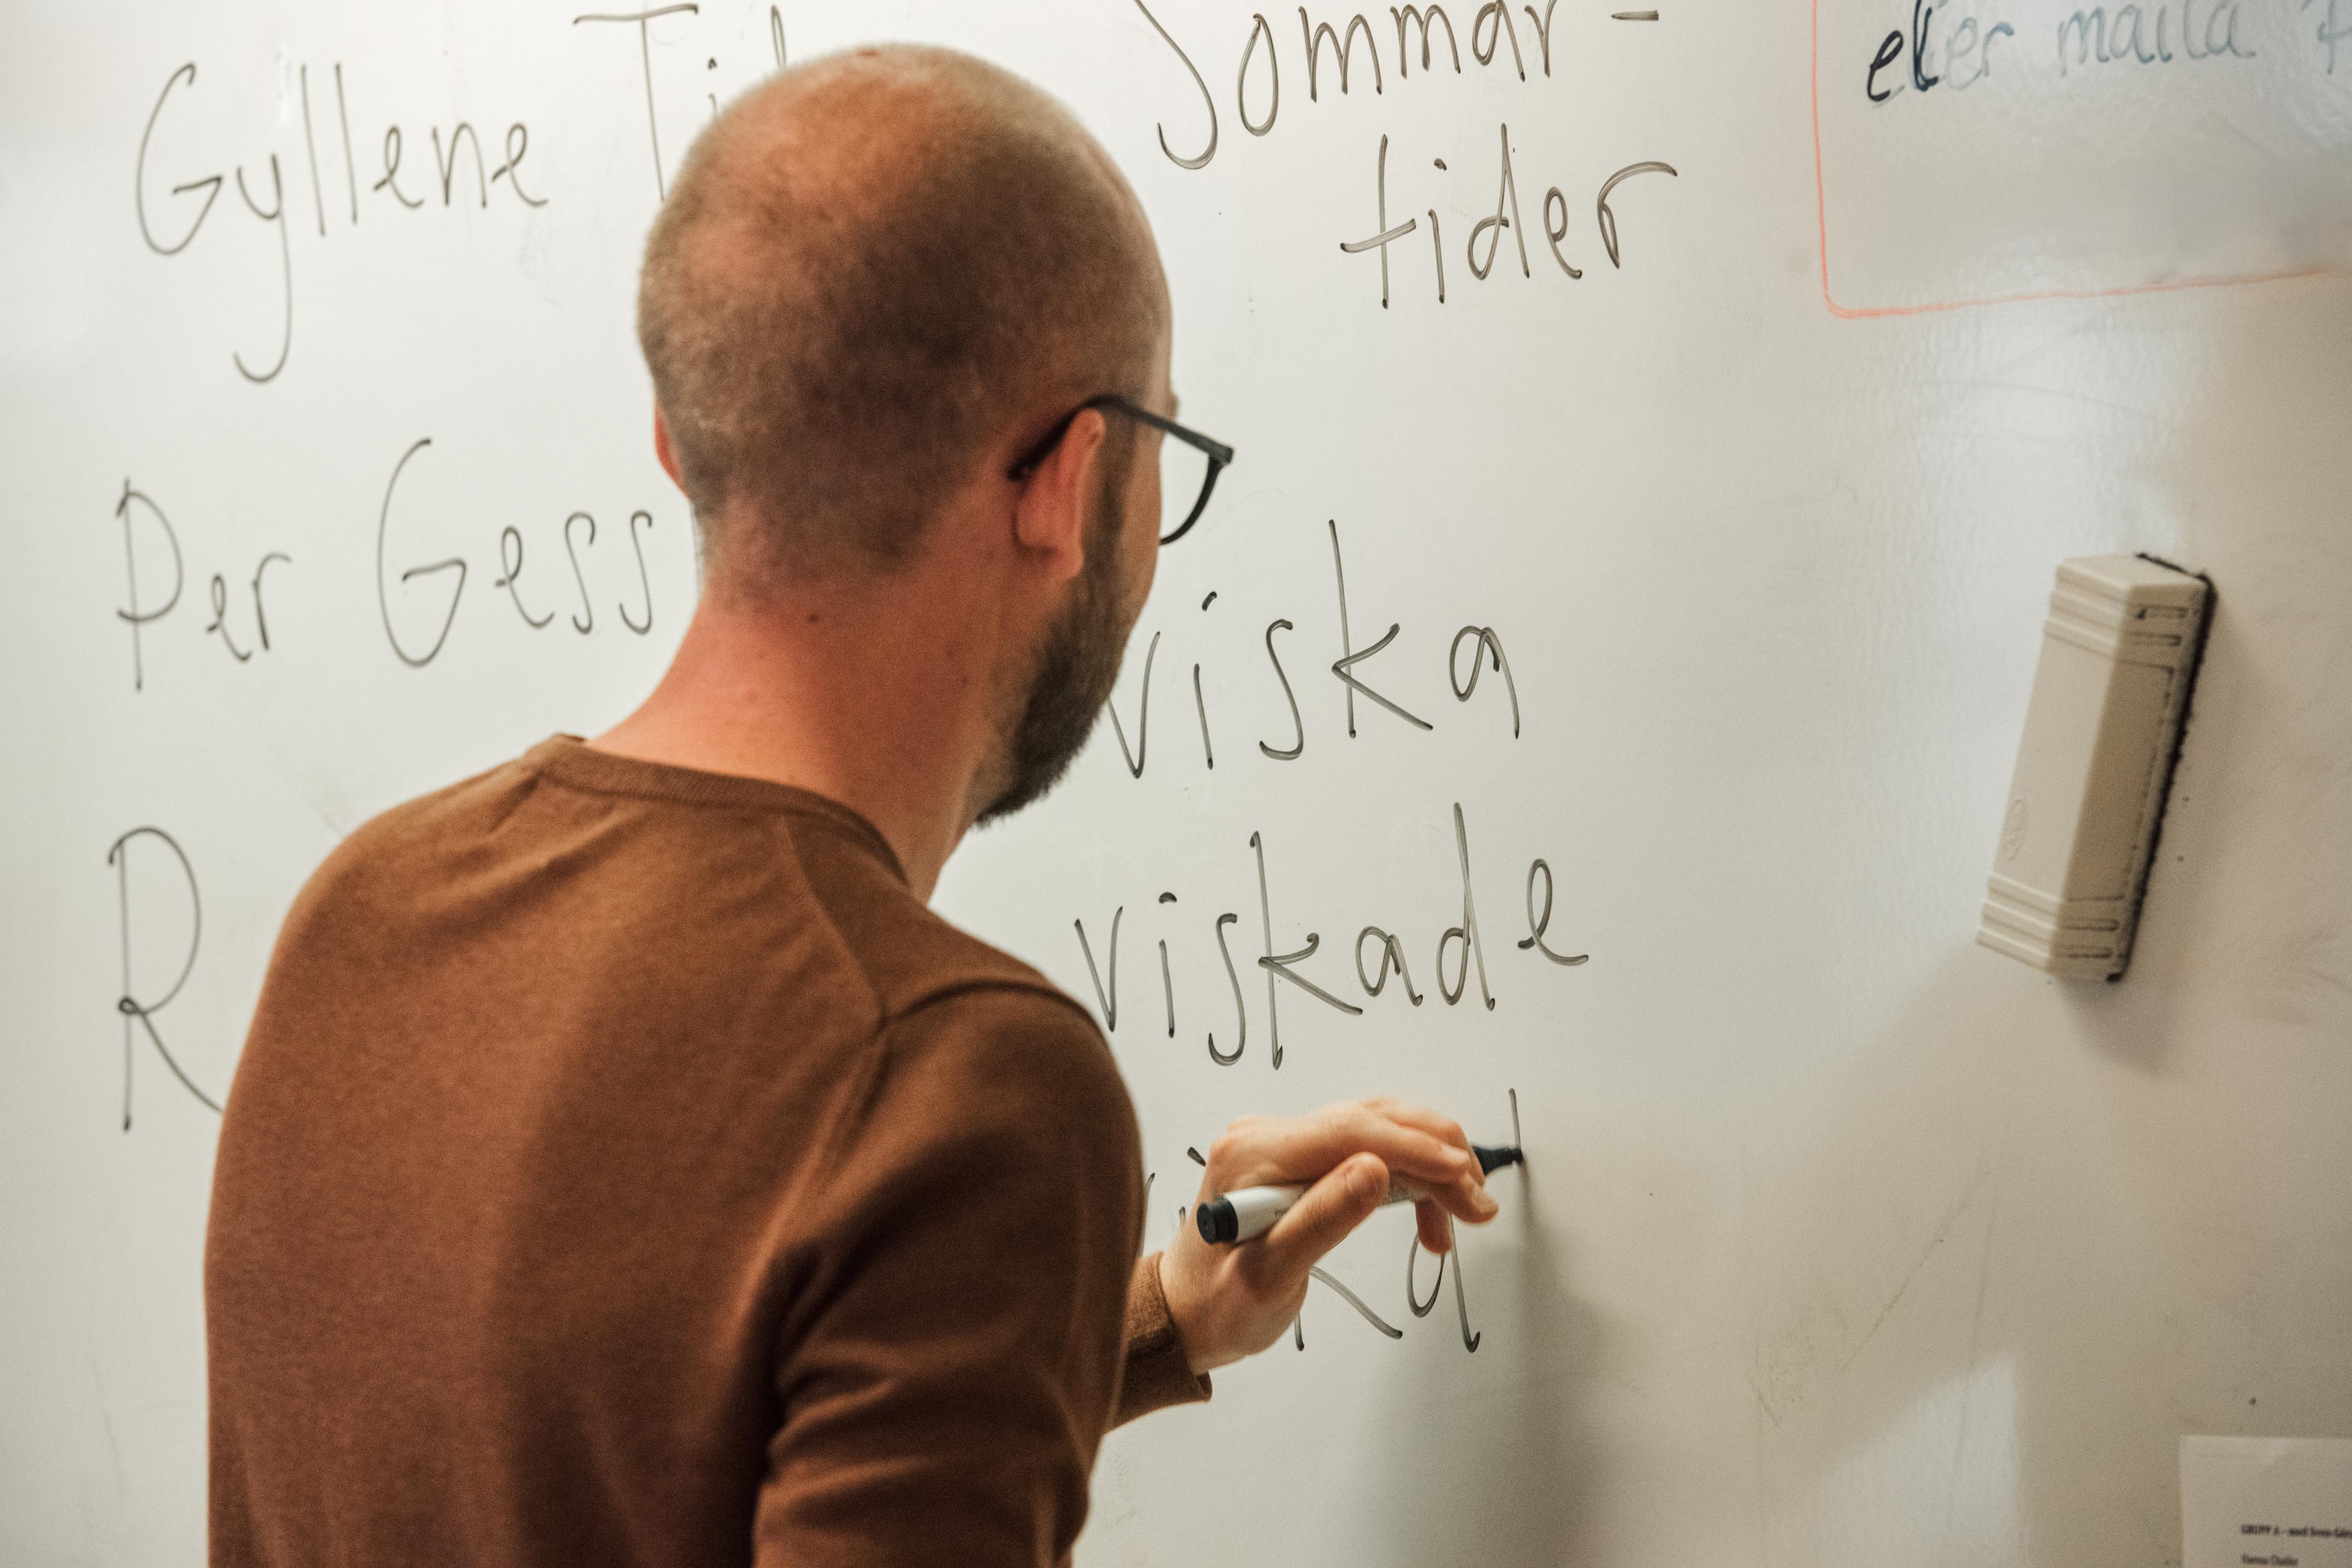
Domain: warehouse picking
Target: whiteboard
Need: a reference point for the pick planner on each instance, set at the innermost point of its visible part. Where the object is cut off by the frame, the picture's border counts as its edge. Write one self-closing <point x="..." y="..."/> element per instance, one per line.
<point x="1841" y="1239"/>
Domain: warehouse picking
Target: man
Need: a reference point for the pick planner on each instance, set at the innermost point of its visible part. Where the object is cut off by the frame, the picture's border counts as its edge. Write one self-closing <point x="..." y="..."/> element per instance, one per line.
<point x="625" y="1166"/>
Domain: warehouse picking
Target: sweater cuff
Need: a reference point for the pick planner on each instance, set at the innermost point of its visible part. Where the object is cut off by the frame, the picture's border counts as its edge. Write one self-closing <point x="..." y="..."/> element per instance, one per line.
<point x="1158" y="1374"/>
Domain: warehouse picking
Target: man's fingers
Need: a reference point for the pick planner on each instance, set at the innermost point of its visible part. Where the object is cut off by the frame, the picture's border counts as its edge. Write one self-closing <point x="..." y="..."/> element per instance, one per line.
<point x="1446" y="1171"/>
<point x="1321" y="1219"/>
<point x="1302" y="1150"/>
<point x="1443" y="1165"/>
<point x="1466" y="1201"/>
<point x="1407" y="1148"/>
<point x="1436" y="1235"/>
<point x="1414" y="1145"/>
<point x="1465" y="1192"/>
<point x="1445" y="1129"/>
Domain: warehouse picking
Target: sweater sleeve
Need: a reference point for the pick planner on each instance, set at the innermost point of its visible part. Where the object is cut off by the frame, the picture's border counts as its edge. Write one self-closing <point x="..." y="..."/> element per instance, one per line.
<point x="952" y="1358"/>
<point x="1159" y="1372"/>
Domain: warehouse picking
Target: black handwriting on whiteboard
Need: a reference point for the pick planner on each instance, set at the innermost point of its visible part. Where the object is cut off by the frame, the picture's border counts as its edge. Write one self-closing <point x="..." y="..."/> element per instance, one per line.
<point x="1467" y="933"/>
<point x="1355" y="1301"/>
<point x="134" y="615"/>
<point x="1135" y="758"/>
<point x="276" y="215"/>
<point x="645" y="583"/>
<point x="1506" y="215"/>
<point x="383" y="600"/>
<point x="211" y="186"/>
<point x="1538" y="921"/>
<point x="162" y="148"/>
<point x="1379" y="952"/>
<point x="1453" y="1254"/>
<point x="139" y="1015"/>
<point x="1333" y="40"/>
<point x="137" y="615"/>
<point x="1351" y="656"/>
<point x="1299" y="741"/>
<point x="643" y="20"/>
<point x="1240" y="1013"/>
<point x="585" y="621"/>
<point x="510" y="565"/>
<point x="1484" y="643"/>
<point x="1280" y="964"/>
<point x="1108" y="999"/>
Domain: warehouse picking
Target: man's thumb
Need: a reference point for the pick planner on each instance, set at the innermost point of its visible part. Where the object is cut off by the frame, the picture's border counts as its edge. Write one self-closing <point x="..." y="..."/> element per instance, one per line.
<point x="1332" y="1207"/>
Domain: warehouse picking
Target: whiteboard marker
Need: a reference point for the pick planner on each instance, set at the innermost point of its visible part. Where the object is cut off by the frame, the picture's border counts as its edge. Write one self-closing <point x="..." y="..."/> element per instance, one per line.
<point x="1250" y="1211"/>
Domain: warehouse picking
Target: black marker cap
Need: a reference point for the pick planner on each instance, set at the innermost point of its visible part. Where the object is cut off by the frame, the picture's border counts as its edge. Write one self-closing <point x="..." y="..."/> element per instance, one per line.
<point x="1491" y="1160"/>
<point x="1219" y="1224"/>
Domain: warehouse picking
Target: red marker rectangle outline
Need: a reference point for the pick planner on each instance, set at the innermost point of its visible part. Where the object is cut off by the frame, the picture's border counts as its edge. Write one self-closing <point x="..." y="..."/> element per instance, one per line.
<point x="1864" y="313"/>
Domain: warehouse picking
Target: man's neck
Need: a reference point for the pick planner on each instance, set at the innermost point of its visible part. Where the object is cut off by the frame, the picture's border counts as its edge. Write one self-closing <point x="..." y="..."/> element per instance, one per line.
<point x="841" y="698"/>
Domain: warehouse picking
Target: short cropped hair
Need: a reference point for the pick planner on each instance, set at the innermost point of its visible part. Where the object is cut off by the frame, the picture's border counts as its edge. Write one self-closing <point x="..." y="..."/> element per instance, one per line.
<point x="869" y="267"/>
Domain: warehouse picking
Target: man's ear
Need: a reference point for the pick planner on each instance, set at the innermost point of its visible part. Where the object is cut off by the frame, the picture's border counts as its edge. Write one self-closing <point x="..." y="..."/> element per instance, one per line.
<point x="1049" y="515"/>
<point x="663" y="450"/>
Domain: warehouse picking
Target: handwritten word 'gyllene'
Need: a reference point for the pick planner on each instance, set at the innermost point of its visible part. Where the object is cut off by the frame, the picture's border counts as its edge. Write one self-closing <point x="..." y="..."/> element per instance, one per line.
<point x="452" y="160"/>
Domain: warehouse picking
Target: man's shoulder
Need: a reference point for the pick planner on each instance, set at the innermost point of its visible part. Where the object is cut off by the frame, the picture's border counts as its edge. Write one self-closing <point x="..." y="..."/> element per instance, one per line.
<point x="766" y="866"/>
<point x="380" y="857"/>
<point x="1000" y="1069"/>
<point x="914" y="959"/>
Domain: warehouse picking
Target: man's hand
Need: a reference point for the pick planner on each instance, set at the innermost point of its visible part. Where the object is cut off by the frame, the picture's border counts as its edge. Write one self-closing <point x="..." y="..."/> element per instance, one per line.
<point x="1232" y="1301"/>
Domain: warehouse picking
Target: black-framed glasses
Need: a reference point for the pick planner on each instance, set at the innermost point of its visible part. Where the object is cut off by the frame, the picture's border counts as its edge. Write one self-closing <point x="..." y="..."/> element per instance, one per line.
<point x="1188" y="465"/>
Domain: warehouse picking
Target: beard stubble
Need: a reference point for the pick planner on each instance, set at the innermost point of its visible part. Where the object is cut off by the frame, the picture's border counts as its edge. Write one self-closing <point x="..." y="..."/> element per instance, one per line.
<point x="1077" y="665"/>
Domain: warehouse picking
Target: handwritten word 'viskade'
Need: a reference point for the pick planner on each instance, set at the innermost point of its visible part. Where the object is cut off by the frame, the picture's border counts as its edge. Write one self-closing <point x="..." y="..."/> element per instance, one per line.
<point x="1379" y="954"/>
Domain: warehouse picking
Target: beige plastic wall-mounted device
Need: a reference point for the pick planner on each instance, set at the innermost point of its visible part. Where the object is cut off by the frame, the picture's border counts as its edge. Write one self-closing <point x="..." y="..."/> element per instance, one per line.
<point x="2118" y="653"/>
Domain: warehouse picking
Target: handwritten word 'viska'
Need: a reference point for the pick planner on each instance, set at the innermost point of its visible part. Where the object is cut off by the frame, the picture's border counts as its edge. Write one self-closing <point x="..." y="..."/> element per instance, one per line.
<point x="163" y="153"/>
<point x="1329" y="43"/>
<point x="1460" y="944"/>
<point x="1483" y="643"/>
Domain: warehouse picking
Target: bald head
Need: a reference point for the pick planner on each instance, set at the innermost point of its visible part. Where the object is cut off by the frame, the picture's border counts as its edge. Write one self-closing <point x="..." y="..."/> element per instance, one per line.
<point x="875" y="270"/>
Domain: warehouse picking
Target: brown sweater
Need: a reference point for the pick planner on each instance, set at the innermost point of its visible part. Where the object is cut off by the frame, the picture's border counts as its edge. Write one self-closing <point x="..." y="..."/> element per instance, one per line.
<point x="626" y="1167"/>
